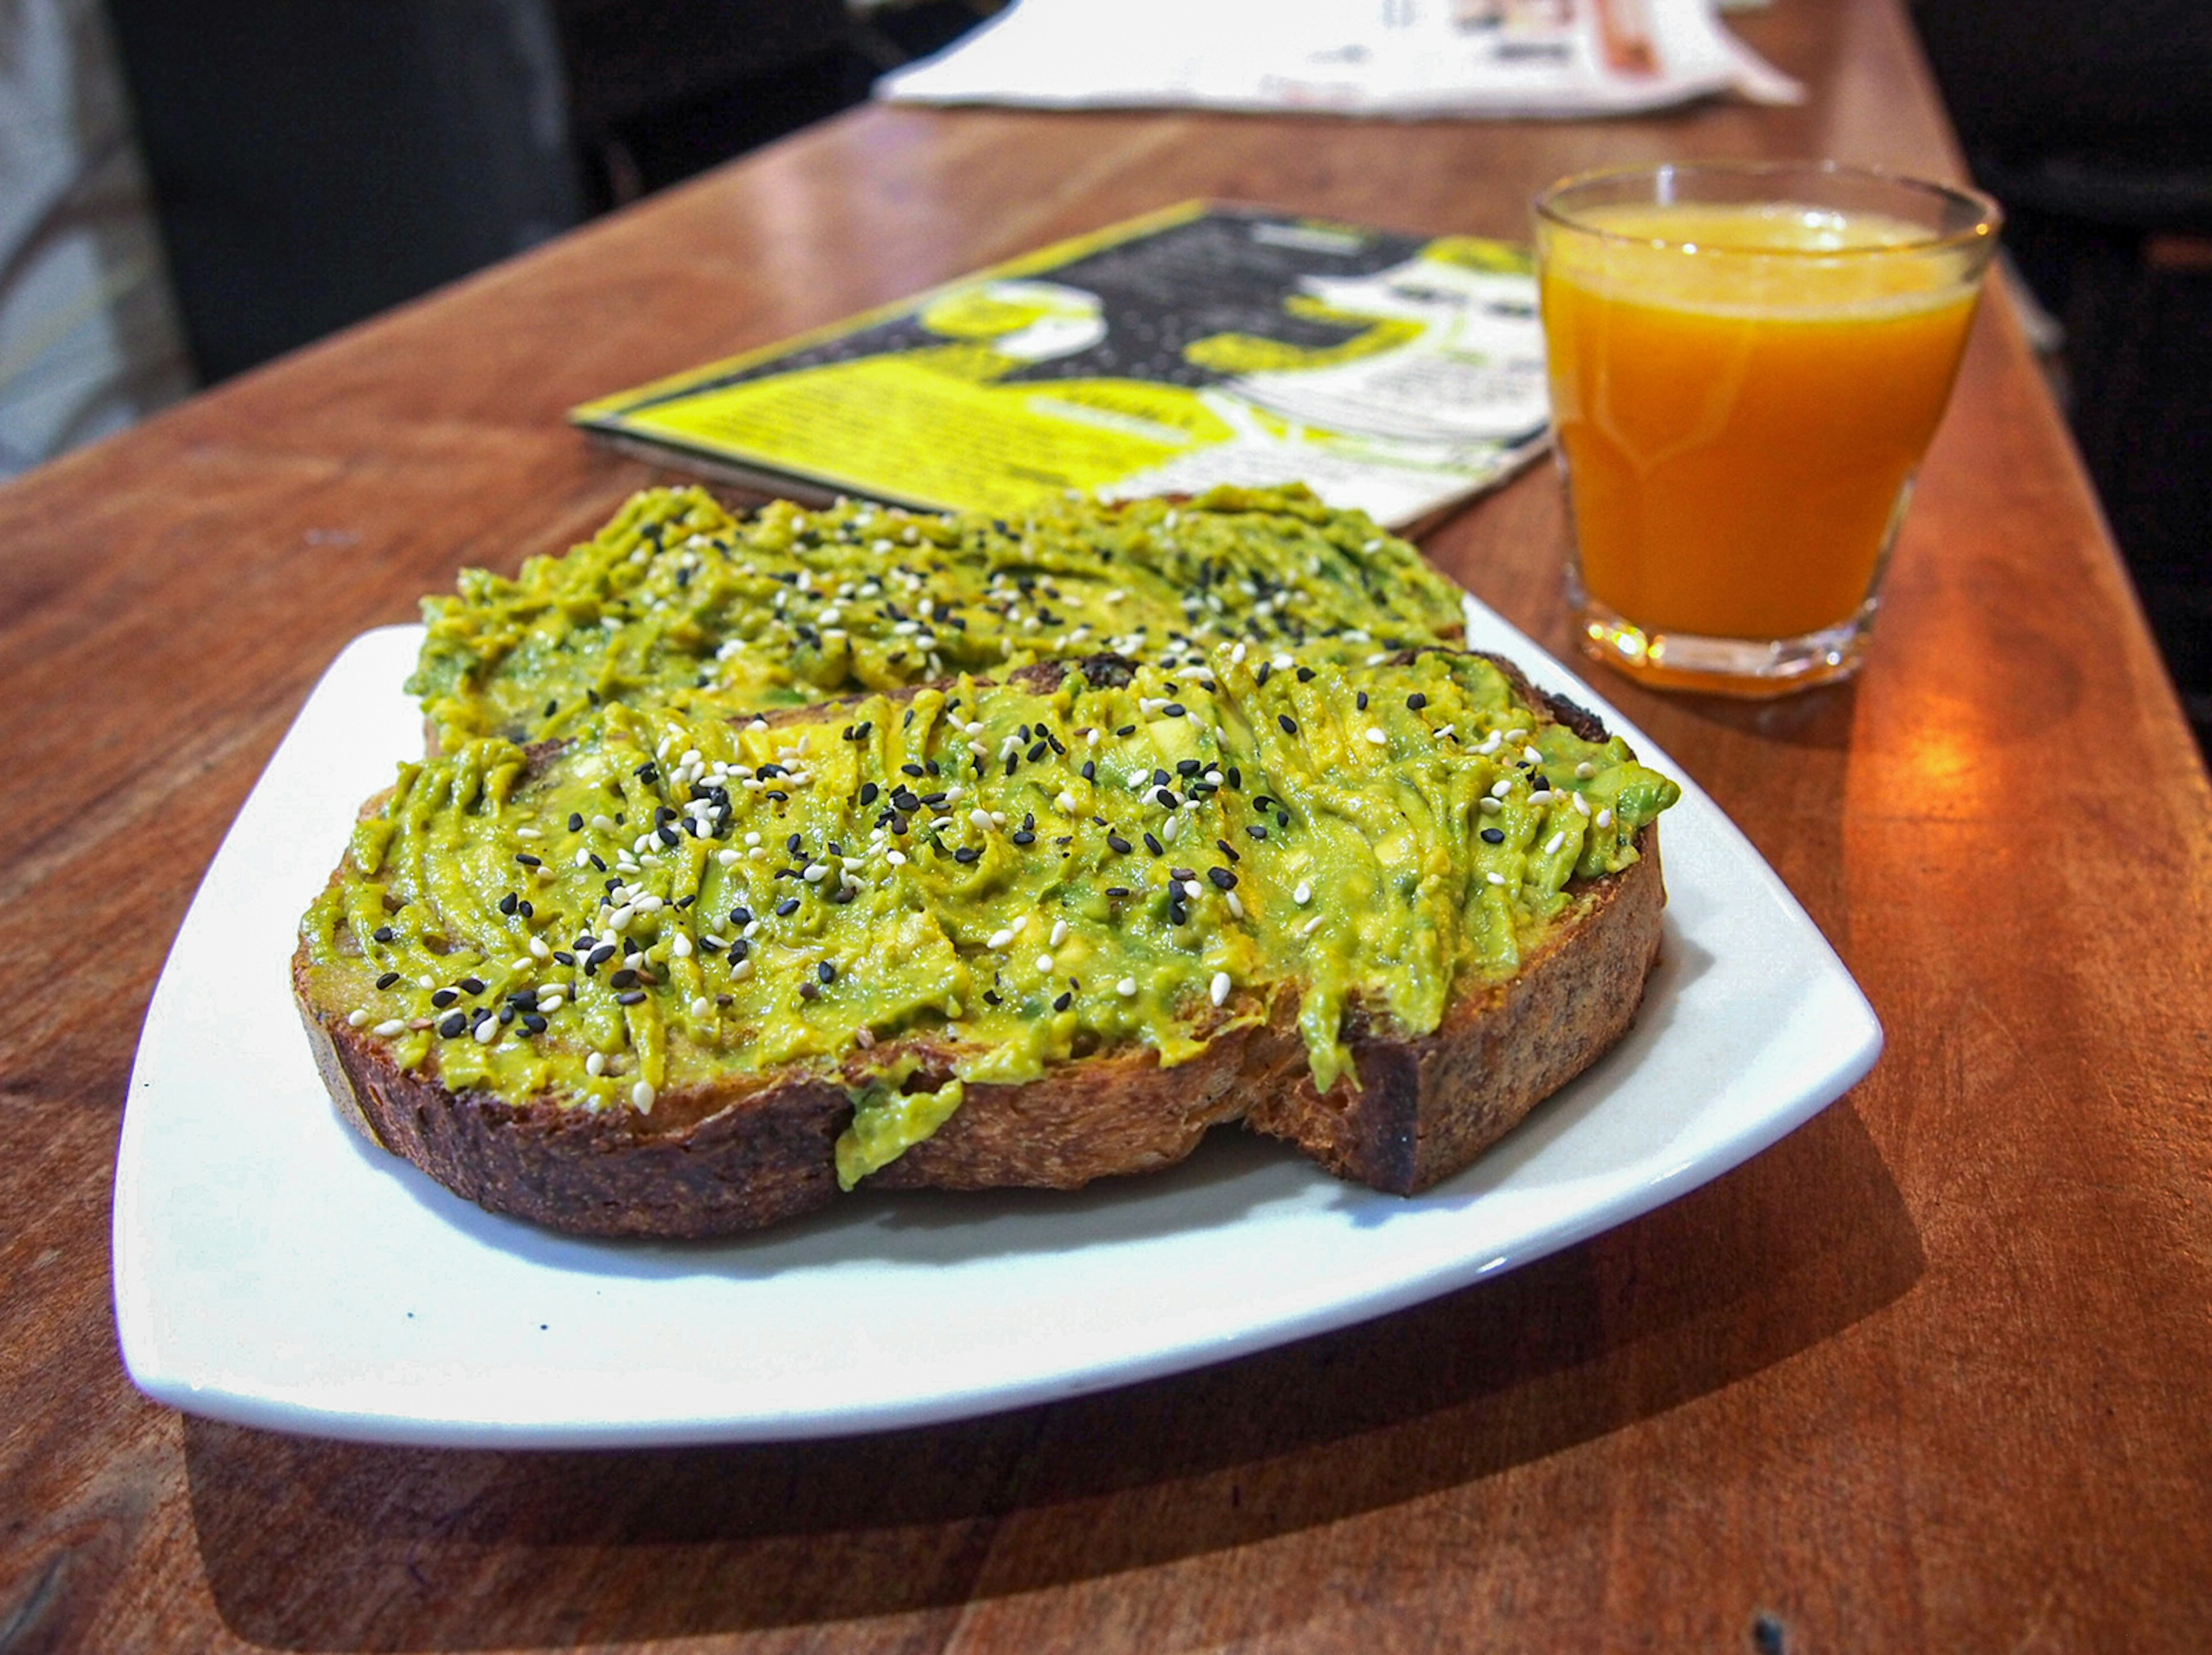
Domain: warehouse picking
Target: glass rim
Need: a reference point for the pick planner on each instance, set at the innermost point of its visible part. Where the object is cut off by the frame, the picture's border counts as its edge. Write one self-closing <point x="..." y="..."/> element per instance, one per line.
<point x="1989" y="215"/>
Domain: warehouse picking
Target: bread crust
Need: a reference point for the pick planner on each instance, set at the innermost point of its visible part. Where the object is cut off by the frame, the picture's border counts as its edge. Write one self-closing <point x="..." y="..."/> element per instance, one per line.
<point x="719" y="1160"/>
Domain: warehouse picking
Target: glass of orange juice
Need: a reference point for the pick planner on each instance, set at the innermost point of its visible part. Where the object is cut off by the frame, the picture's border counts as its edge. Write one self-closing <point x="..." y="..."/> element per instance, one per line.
<point x="1747" y="362"/>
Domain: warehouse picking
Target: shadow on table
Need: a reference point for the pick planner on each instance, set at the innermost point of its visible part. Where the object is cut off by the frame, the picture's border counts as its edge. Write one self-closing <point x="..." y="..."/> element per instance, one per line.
<point x="328" y="1546"/>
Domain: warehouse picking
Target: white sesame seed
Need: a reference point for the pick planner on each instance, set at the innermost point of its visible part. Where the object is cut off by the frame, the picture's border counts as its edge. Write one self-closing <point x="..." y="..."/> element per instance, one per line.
<point x="1193" y="888"/>
<point x="1059" y="933"/>
<point x="604" y="824"/>
<point x="1235" y="907"/>
<point x="551" y="1002"/>
<point x="356" y="1017"/>
<point x="649" y="904"/>
<point x="896" y="858"/>
<point x="1495" y="878"/>
<point x="1044" y="964"/>
<point x="1376" y="736"/>
<point x="864" y="1037"/>
<point x="1067" y="802"/>
<point x="1582" y="805"/>
<point x="999" y="939"/>
<point x="997" y="819"/>
<point x="815" y="872"/>
<point x="1551" y="845"/>
<point x="1584" y="771"/>
<point x="595" y="1064"/>
<point x="642" y="1097"/>
<point x="1500" y="787"/>
<point x="1218" y="990"/>
<point x="487" y="1032"/>
<point x="1303" y="895"/>
<point x="741" y="971"/>
<point x="679" y="945"/>
<point x="982" y="818"/>
<point x="1378" y="658"/>
<point x="528" y="833"/>
<point x="1444" y="732"/>
<point x="1310" y="927"/>
<point x="1532" y="755"/>
<point x="1090" y="738"/>
<point x="1605" y="818"/>
<point x="539" y="949"/>
<point x="1126" y="988"/>
<point x="1541" y="796"/>
<point x="619" y="919"/>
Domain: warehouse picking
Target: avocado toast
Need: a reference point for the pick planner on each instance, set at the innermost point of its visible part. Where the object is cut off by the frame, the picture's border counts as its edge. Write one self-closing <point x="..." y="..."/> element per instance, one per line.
<point x="674" y="973"/>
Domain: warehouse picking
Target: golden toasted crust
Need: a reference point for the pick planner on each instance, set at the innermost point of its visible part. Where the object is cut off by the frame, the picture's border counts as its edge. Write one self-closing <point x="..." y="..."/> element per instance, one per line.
<point x="749" y="1151"/>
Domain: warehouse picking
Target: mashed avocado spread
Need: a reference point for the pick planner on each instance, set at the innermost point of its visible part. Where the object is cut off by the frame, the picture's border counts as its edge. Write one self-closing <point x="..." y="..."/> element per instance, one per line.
<point x="1117" y="854"/>
<point x="675" y="603"/>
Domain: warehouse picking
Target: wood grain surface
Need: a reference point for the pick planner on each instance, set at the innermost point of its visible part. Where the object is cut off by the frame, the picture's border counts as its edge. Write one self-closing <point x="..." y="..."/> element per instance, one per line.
<point x="1933" y="1372"/>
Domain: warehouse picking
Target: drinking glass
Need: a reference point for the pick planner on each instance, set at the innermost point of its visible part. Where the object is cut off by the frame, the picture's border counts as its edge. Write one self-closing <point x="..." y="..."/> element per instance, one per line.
<point x="1747" y="362"/>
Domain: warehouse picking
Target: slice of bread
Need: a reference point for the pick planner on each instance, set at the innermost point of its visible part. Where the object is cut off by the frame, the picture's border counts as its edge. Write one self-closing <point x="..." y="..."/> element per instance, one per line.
<point x="1391" y="1041"/>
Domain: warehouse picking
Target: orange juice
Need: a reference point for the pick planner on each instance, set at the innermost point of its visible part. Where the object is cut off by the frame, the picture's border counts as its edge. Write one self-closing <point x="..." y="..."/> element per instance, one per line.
<point x="1742" y="392"/>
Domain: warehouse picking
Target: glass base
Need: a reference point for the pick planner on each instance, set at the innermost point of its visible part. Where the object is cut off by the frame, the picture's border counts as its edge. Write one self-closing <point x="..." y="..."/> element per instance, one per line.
<point x="1751" y="668"/>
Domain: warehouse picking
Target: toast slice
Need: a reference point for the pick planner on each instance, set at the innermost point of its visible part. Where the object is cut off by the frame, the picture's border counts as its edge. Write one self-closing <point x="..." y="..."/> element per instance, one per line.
<point x="677" y="603"/>
<point x="1378" y="910"/>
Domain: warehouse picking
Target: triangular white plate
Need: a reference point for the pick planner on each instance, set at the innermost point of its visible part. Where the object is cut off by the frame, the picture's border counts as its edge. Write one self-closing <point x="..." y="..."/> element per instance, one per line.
<point x="273" y="1268"/>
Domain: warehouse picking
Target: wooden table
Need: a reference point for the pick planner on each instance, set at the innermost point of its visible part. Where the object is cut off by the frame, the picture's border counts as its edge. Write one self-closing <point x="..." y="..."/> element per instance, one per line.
<point x="1933" y="1372"/>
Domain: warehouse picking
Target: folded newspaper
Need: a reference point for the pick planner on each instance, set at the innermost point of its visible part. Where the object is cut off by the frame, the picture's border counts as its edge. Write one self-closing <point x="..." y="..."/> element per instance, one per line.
<point x="1410" y="58"/>
<point x="1203" y="345"/>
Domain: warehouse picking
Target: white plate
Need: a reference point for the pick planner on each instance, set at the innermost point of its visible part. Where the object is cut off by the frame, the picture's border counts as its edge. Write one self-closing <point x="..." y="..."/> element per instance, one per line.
<point x="273" y="1268"/>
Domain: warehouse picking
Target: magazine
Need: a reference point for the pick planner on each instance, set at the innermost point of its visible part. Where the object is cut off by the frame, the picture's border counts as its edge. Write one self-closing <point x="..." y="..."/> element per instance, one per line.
<point x="1199" y="346"/>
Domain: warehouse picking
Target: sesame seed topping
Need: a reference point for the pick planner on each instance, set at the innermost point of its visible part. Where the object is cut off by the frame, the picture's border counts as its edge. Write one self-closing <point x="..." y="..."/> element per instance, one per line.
<point x="1290" y="725"/>
<point x="642" y="1097"/>
<point x="1551" y="845"/>
<point x="1605" y="818"/>
<point x="1126" y="988"/>
<point x="1376" y="736"/>
<point x="1044" y="964"/>
<point x="1217" y="991"/>
<point x="1303" y="895"/>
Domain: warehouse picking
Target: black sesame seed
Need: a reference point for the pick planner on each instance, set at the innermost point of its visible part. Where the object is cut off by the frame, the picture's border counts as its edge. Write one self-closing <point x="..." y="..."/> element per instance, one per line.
<point x="597" y="863"/>
<point x="1305" y="675"/>
<point x="668" y="835"/>
<point x="533" y="1022"/>
<point x="741" y="915"/>
<point x="1117" y="845"/>
<point x="506" y="1015"/>
<point x="1160" y="778"/>
<point x="575" y="822"/>
<point x="525" y="911"/>
<point x="1034" y="753"/>
<point x="1182" y="874"/>
<point x="1063" y="1002"/>
<point x="787" y="908"/>
<point x="1282" y="819"/>
<point x="778" y="795"/>
<point x="739" y="949"/>
<point x="601" y="955"/>
<point x="860" y="731"/>
<point x="472" y="985"/>
<point x="1222" y="846"/>
<point x="443" y="997"/>
<point x="1267" y="670"/>
<point x="826" y="971"/>
<point x="507" y="903"/>
<point x="1494" y="837"/>
<point x="992" y="999"/>
<point x="1176" y="709"/>
<point x="624" y="978"/>
<point x="453" y="1026"/>
<point x="792" y="844"/>
<point x="1222" y="878"/>
<point x="1090" y="771"/>
<point x="967" y="854"/>
<point x="382" y="934"/>
<point x="1163" y="799"/>
<point x="1255" y="829"/>
<point x="564" y="956"/>
<point x="1024" y="836"/>
<point x="1541" y="782"/>
<point x="647" y="774"/>
<point x="1235" y="777"/>
<point x="1360" y="700"/>
<point x="868" y="792"/>
<point x="663" y="814"/>
<point x="1186" y="767"/>
<point x="635" y="997"/>
<point x="1415" y="702"/>
<point x="810" y="991"/>
<point x="1153" y="844"/>
<point x="912" y="769"/>
<point x="1178" y="914"/>
<point x="1290" y="725"/>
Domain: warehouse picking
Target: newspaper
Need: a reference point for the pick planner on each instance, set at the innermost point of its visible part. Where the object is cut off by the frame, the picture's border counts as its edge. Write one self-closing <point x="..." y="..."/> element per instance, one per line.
<point x="1408" y="58"/>
<point x="1199" y="346"/>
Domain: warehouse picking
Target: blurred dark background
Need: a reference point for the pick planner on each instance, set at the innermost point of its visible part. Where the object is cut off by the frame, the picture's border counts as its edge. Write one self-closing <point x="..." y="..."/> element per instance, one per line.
<point x="310" y="162"/>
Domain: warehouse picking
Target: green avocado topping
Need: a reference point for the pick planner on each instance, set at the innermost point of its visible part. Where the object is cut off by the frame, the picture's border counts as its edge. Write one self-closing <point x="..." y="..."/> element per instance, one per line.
<point x="675" y="603"/>
<point x="909" y="895"/>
